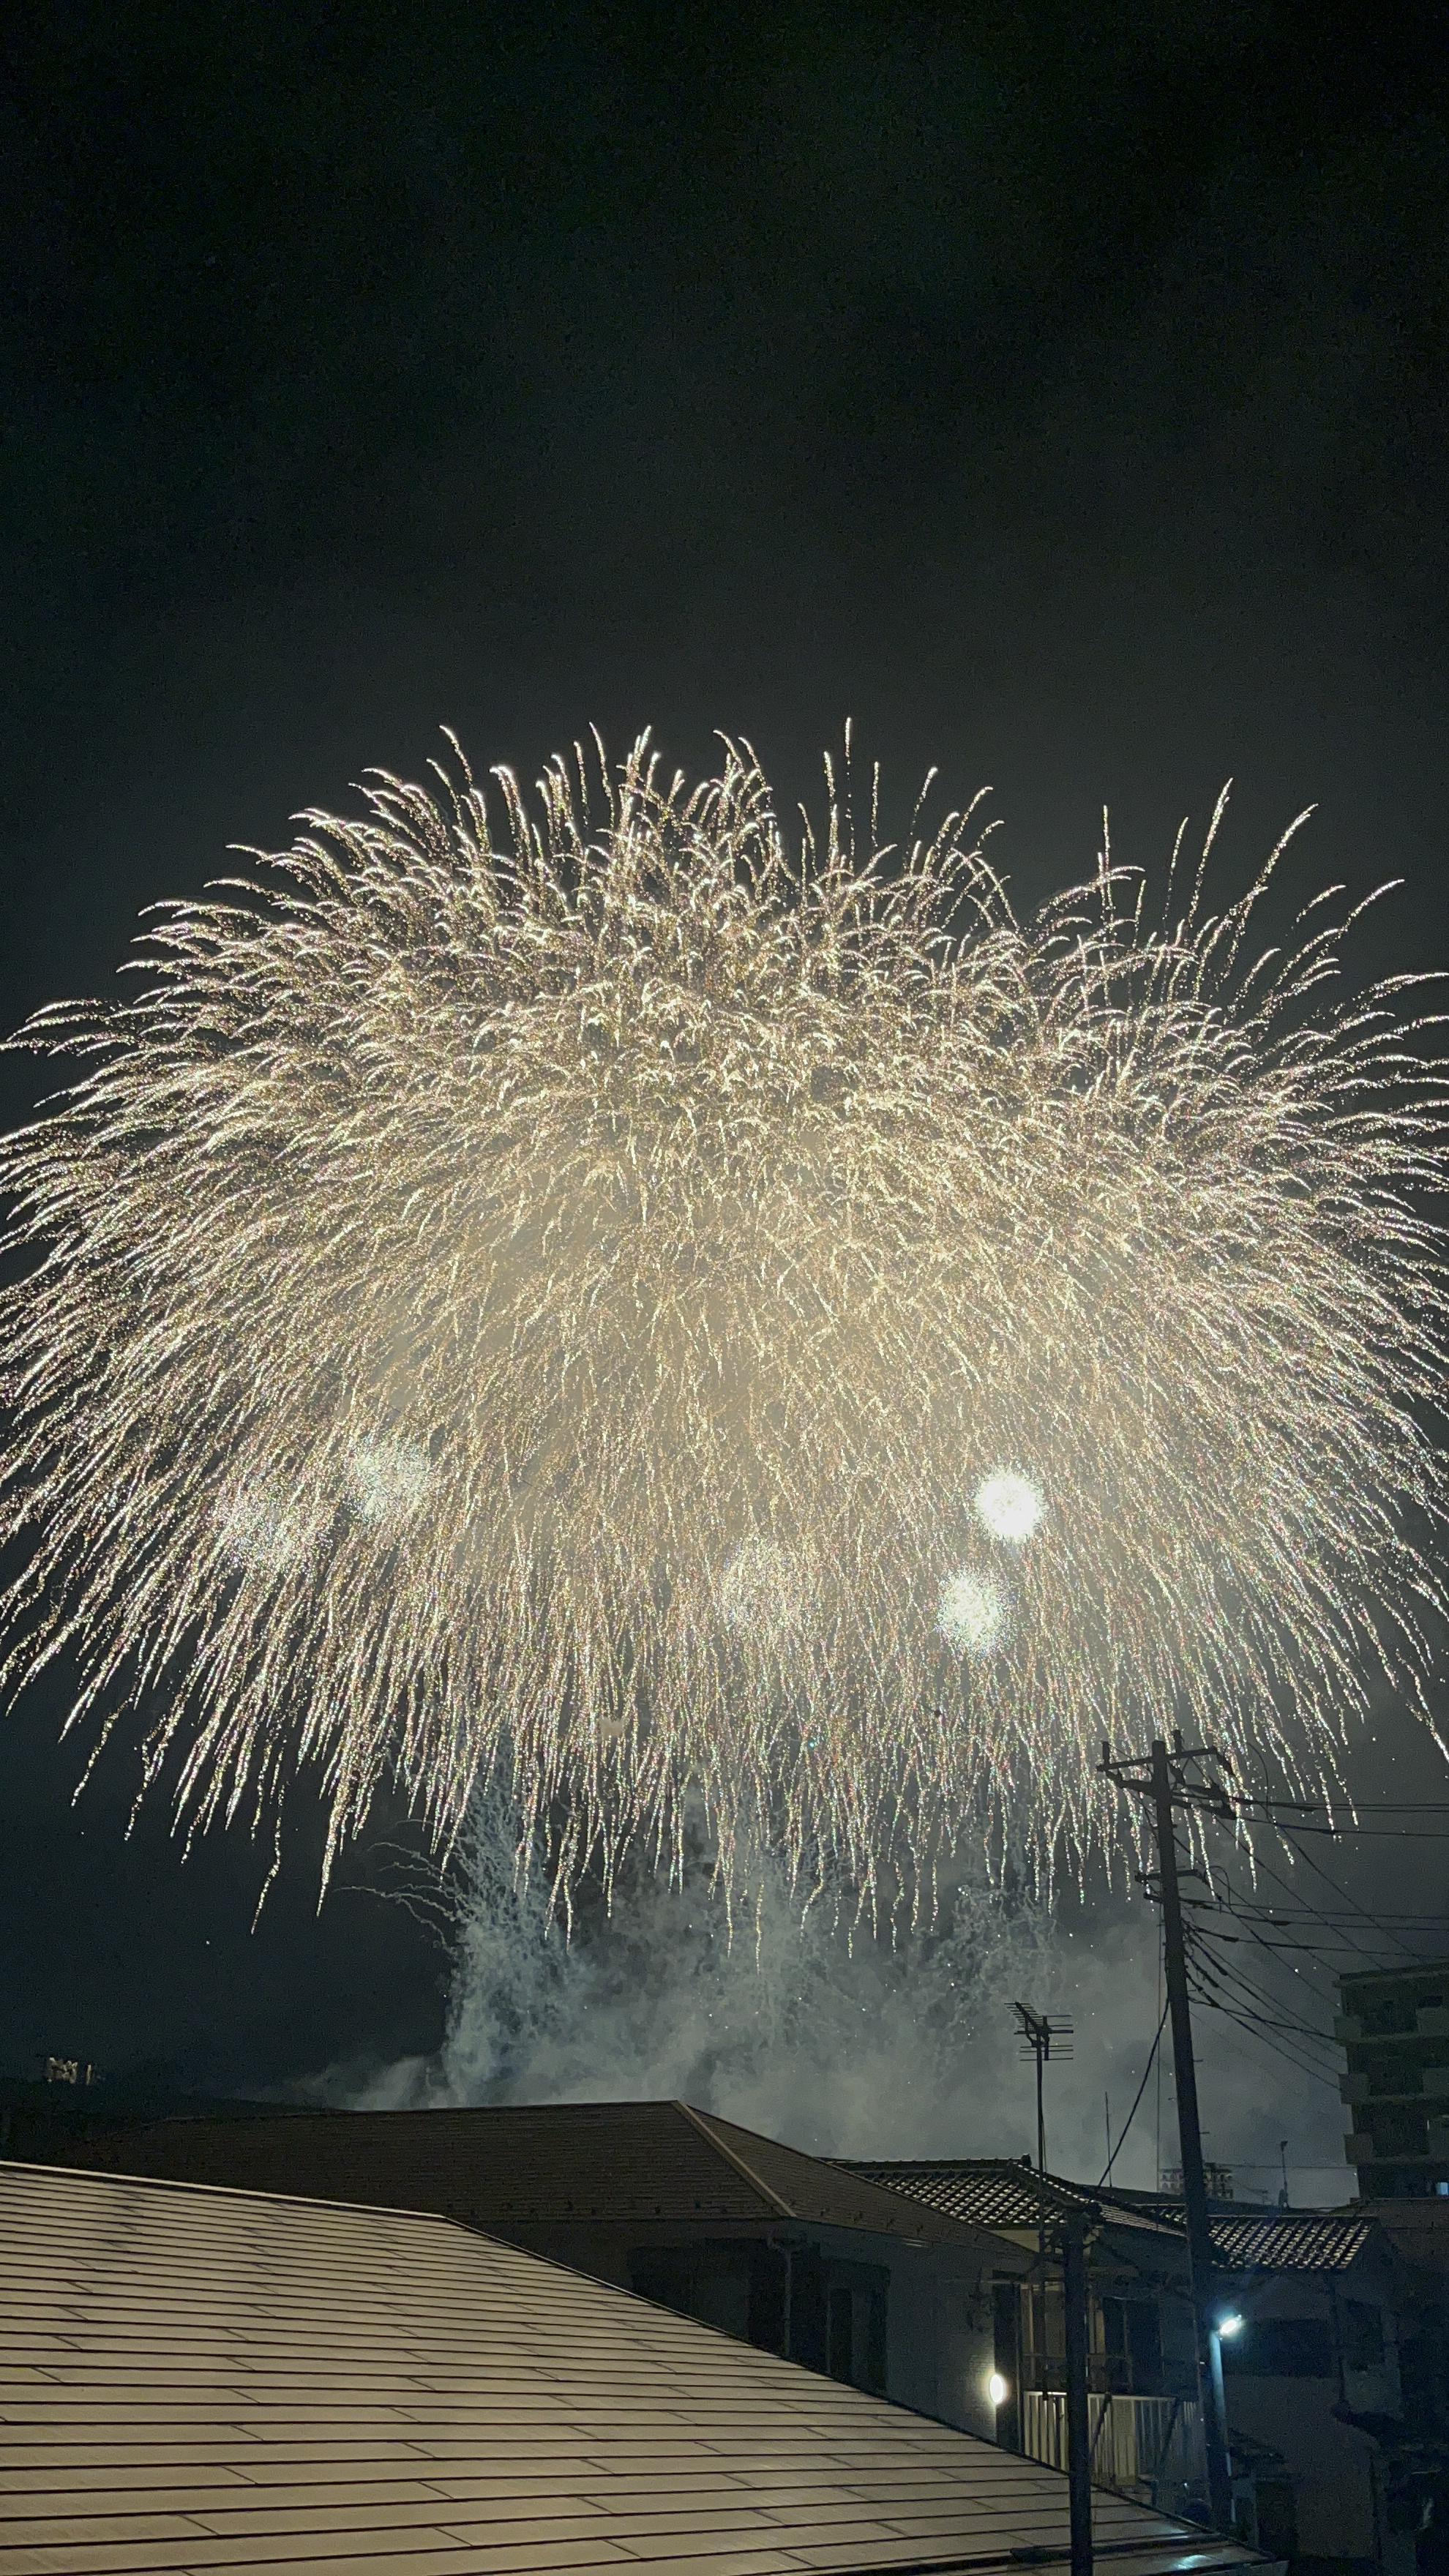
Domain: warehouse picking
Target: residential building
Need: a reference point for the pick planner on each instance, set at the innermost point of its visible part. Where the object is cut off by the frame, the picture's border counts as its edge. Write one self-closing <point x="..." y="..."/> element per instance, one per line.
<point x="197" y="2378"/>
<point x="1313" y="2375"/>
<point x="1330" y="2457"/>
<point x="1394" y="2029"/>
<point x="796" y="2255"/>
<point x="1143" y="2402"/>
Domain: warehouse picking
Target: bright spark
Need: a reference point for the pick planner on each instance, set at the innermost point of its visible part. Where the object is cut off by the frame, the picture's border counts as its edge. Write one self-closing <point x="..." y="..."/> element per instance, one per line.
<point x="973" y="1613"/>
<point x="388" y="1479"/>
<point x="1010" y="1506"/>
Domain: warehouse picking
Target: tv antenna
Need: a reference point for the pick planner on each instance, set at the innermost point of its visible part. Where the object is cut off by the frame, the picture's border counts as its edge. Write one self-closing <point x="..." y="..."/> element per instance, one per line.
<point x="1044" y="2039"/>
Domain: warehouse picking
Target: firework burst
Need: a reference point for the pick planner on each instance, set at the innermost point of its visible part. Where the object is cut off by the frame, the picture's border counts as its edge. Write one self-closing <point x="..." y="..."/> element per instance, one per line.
<point x="605" y="1292"/>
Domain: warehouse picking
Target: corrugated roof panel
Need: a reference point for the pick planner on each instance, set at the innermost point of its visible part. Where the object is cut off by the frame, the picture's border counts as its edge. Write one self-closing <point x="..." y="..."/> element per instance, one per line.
<point x="525" y="2417"/>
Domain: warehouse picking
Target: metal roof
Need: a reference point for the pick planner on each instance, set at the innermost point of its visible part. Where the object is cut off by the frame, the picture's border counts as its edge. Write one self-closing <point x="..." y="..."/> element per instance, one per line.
<point x="518" y="2166"/>
<point x="196" y="2379"/>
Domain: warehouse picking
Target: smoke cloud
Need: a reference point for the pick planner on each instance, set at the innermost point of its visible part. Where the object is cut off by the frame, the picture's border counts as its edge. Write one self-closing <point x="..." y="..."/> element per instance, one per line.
<point x="835" y="2039"/>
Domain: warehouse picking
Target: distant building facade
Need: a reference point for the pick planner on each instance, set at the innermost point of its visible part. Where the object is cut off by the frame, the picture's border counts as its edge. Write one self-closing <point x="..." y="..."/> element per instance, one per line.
<point x="1394" y="2030"/>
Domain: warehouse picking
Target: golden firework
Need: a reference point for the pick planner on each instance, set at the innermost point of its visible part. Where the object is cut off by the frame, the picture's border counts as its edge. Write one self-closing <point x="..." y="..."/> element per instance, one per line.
<point x="682" y="1315"/>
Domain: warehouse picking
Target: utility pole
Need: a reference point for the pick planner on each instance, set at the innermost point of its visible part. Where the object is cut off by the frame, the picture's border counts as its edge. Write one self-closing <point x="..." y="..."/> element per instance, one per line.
<point x="1079" y="2428"/>
<point x="1165" y="1783"/>
<point x="1042" y="2037"/>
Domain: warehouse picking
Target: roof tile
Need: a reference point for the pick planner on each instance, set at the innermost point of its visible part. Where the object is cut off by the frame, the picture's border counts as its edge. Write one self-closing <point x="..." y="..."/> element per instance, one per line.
<point x="701" y="2455"/>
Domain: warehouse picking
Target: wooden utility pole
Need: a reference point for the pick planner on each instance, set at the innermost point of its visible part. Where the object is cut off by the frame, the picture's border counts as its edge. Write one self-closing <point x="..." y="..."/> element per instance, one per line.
<point x="1164" y="1783"/>
<point x="1079" y="2424"/>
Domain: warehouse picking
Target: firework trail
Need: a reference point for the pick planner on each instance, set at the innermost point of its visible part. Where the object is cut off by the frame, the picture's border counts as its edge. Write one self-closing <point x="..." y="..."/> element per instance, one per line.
<point x="604" y="1295"/>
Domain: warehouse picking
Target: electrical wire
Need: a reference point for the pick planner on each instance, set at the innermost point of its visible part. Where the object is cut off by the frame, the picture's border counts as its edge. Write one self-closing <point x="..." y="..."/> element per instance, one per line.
<point x="1253" y="1932"/>
<point x="1261" y="2009"/>
<point x="1141" y="2089"/>
<point x="1268" y="1871"/>
<point x="1330" y="1881"/>
<point x="1257" y="2028"/>
<point x="1239" y="1977"/>
<point x="1308" y="2039"/>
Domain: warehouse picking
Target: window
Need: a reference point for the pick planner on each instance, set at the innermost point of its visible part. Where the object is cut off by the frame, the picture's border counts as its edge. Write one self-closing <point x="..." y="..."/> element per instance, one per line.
<point x="1132" y="2343"/>
<point x="855" y="2334"/>
<point x="1283" y="2348"/>
<point x="739" y="2287"/>
<point x="1363" y="2335"/>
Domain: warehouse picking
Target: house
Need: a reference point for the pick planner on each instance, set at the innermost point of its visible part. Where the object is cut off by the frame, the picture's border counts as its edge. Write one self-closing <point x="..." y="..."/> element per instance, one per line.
<point x="1319" y="2297"/>
<point x="1143" y="2403"/>
<point x="1352" y="2350"/>
<point x="803" y="2258"/>
<point x="1327" y="2451"/>
<point x="198" y="2379"/>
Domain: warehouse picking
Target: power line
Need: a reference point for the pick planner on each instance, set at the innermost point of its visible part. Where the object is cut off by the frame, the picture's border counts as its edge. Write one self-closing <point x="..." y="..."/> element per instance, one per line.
<point x="1388" y="1807"/>
<point x="1330" y="1881"/>
<point x="1238" y="1976"/>
<point x="1379" y="1833"/>
<point x="1344" y="1922"/>
<point x="1141" y="2089"/>
<point x="1257" y="2028"/>
<point x="1251" y="2029"/>
<point x="1255" y="1935"/>
<point x="1308" y="1908"/>
<point x="1228" y="1975"/>
<point x="1353" y="1806"/>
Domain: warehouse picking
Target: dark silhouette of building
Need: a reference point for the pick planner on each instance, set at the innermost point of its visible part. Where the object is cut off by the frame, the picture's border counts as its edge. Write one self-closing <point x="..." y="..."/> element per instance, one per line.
<point x="1394" y="2029"/>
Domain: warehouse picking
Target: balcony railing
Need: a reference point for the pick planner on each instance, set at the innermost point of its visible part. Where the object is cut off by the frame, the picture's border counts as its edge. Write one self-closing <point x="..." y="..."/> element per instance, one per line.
<point x="1146" y="2447"/>
<point x="1429" y="2084"/>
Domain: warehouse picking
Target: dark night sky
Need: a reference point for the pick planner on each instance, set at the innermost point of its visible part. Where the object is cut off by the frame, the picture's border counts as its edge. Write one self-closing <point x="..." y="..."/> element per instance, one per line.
<point x="1060" y="393"/>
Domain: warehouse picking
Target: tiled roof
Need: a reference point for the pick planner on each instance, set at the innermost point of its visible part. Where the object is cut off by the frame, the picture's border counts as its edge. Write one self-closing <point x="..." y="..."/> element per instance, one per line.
<point x="1290" y="2241"/>
<point x="1278" y="2240"/>
<point x="562" y="2163"/>
<point x="196" y="2379"/>
<point x="988" y="2191"/>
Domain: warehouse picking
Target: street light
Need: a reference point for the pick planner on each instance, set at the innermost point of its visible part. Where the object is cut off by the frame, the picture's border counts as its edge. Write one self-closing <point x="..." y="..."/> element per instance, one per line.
<point x="1229" y="2325"/>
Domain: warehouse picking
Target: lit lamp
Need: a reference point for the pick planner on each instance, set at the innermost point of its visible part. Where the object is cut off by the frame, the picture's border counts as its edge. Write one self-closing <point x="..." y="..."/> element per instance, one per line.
<point x="997" y="2390"/>
<point x="1223" y="2330"/>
